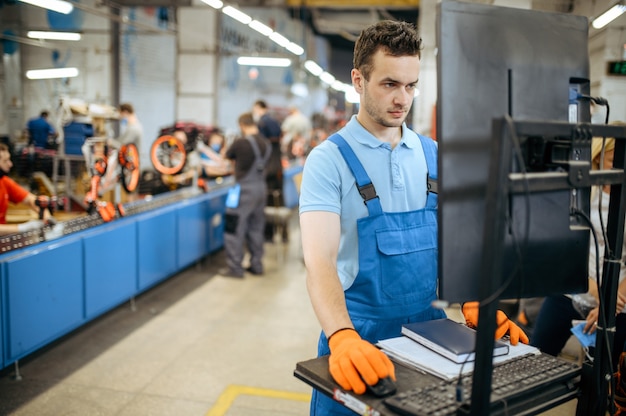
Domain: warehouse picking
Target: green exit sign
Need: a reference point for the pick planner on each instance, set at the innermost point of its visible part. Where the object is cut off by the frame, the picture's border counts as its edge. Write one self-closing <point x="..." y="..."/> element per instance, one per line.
<point x="617" y="68"/>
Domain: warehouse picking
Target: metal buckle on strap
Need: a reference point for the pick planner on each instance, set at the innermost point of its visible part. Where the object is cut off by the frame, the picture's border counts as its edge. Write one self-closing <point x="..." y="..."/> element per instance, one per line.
<point x="431" y="185"/>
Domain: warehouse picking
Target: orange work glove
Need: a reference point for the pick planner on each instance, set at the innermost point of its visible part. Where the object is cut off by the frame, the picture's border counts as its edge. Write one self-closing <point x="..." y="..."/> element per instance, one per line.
<point x="505" y="325"/>
<point x="352" y="358"/>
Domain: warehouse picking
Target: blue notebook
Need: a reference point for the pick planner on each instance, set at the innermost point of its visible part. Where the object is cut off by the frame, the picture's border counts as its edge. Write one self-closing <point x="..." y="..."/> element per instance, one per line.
<point x="448" y="338"/>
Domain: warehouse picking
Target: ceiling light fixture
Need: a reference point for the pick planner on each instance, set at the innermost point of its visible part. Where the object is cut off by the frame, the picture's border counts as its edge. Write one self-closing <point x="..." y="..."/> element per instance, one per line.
<point x="37" y="34"/>
<point x="608" y="16"/>
<point x="261" y="28"/>
<point x="339" y="86"/>
<point x="237" y="14"/>
<point x="313" y="68"/>
<point x="352" y="96"/>
<point x="59" y="6"/>
<point x="295" y="48"/>
<point x="216" y="4"/>
<point x="263" y="61"/>
<point x="52" y="73"/>
<point x="279" y="39"/>
<point x="327" y="77"/>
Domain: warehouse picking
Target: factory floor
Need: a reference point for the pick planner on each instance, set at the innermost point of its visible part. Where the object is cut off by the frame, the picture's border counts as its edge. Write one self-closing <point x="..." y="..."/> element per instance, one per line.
<point x="197" y="344"/>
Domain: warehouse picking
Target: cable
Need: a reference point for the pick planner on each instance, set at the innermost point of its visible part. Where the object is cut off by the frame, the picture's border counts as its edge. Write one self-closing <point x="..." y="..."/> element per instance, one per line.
<point x="599" y="101"/>
<point x="601" y="316"/>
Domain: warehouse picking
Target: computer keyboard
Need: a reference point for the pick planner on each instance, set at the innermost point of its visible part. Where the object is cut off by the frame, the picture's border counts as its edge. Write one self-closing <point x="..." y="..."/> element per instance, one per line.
<point x="510" y="379"/>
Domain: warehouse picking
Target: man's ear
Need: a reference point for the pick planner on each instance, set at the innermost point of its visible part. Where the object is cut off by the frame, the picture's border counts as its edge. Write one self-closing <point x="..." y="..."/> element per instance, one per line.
<point x="357" y="80"/>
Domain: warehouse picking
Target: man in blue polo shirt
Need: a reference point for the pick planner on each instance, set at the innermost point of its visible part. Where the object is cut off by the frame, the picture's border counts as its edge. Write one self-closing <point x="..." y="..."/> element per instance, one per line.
<point x="368" y="221"/>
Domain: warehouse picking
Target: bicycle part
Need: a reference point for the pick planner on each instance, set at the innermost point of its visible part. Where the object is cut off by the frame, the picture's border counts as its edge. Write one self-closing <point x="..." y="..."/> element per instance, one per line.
<point x="99" y="167"/>
<point x="120" y="210"/>
<point x="92" y="194"/>
<point x="128" y="158"/>
<point x="168" y="155"/>
<point x="106" y="210"/>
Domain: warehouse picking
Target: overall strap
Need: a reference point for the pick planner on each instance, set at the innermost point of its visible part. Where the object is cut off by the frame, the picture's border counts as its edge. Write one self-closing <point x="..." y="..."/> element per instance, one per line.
<point x="363" y="182"/>
<point x="259" y="161"/>
<point x="430" y="152"/>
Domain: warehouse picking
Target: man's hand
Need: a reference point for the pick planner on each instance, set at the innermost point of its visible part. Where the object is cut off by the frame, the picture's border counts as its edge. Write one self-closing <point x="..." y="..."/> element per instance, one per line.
<point x="353" y="360"/>
<point x="591" y="323"/>
<point x="505" y="325"/>
<point x="30" y="226"/>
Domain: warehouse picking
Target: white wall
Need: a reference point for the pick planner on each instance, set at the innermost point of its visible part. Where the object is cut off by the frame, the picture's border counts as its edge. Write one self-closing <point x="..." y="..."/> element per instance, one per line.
<point x="197" y="64"/>
<point x="147" y="78"/>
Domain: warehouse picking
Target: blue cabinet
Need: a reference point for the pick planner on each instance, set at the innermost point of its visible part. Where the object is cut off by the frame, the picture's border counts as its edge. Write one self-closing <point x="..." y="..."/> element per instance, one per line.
<point x="43" y="296"/>
<point x="216" y="207"/>
<point x="52" y="288"/>
<point x="3" y="325"/>
<point x="192" y="233"/>
<point x="110" y="266"/>
<point x="156" y="249"/>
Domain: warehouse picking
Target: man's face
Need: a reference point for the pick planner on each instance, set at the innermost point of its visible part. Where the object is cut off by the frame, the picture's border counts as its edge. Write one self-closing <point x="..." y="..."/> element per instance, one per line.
<point x="388" y="95"/>
<point x="5" y="161"/>
<point x="257" y="112"/>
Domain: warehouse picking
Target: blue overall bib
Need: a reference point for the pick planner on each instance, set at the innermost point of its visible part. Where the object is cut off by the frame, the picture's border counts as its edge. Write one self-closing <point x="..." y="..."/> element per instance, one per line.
<point x="397" y="278"/>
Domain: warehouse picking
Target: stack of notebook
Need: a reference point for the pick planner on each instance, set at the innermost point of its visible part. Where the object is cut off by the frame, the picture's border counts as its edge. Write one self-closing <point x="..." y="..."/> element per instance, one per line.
<point x="445" y="348"/>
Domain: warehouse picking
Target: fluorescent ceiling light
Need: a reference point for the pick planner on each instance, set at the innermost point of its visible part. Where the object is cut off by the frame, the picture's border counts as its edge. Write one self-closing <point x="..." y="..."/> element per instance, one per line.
<point x="279" y="39"/>
<point x="59" y="6"/>
<point x="216" y="4"/>
<point x="237" y="14"/>
<point x="608" y="16"/>
<point x="327" y="77"/>
<point x="261" y="28"/>
<point x="262" y="61"/>
<point x="36" y="34"/>
<point x="299" y="89"/>
<point x="313" y="68"/>
<point x="352" y="96"/>
<point x="52" y="73"/>
<point x="295" y="48"/>
<point x="338" y="86"/>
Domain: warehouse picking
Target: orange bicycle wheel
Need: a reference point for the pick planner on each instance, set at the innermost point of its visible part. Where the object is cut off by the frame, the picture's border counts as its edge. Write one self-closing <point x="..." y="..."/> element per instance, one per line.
<point x="128" y="158"/>
<point x="168" y="155"/>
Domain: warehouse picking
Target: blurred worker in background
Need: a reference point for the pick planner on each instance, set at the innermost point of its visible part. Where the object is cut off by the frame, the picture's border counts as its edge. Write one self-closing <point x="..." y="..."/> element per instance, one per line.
<point x="271" y="130"/>
<point x="40" y="132"/>
<point x="245" y="205"/>
<point x="10" y="191"/>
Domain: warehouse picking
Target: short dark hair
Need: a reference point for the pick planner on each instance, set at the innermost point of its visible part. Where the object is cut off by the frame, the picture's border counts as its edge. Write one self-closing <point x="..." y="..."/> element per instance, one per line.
<point x="127" y="107"/>
<point x="246" y="119"/>
<point x="396" y="38"/>
<point x="44" y="113"/>
<point x="261" y="103"/>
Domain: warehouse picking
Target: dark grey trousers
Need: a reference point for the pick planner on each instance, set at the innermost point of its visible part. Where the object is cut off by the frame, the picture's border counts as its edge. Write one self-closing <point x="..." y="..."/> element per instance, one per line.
<point x="249" y="230"/>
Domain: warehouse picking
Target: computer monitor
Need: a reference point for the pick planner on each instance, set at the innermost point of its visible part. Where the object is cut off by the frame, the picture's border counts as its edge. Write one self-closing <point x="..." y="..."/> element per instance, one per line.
<point x="496" y="61"/>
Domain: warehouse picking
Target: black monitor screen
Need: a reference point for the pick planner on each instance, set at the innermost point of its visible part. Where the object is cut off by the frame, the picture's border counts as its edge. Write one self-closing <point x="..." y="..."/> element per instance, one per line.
<point x="491" y="62"/>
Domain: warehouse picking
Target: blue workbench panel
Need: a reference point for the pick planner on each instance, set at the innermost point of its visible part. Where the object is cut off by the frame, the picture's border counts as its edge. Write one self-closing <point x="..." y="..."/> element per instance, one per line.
<point x="43" y="295"/>
<point x="192" y="232"/>
<point x="110" y="266"/>
<point x="3" y="324"/>
<point x="216" y="207"/>
<point x="156" y="249"/>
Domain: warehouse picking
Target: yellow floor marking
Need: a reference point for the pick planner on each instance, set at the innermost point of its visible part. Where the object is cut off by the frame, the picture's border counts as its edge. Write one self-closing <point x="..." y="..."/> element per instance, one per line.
<point x="231" y="392"/>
